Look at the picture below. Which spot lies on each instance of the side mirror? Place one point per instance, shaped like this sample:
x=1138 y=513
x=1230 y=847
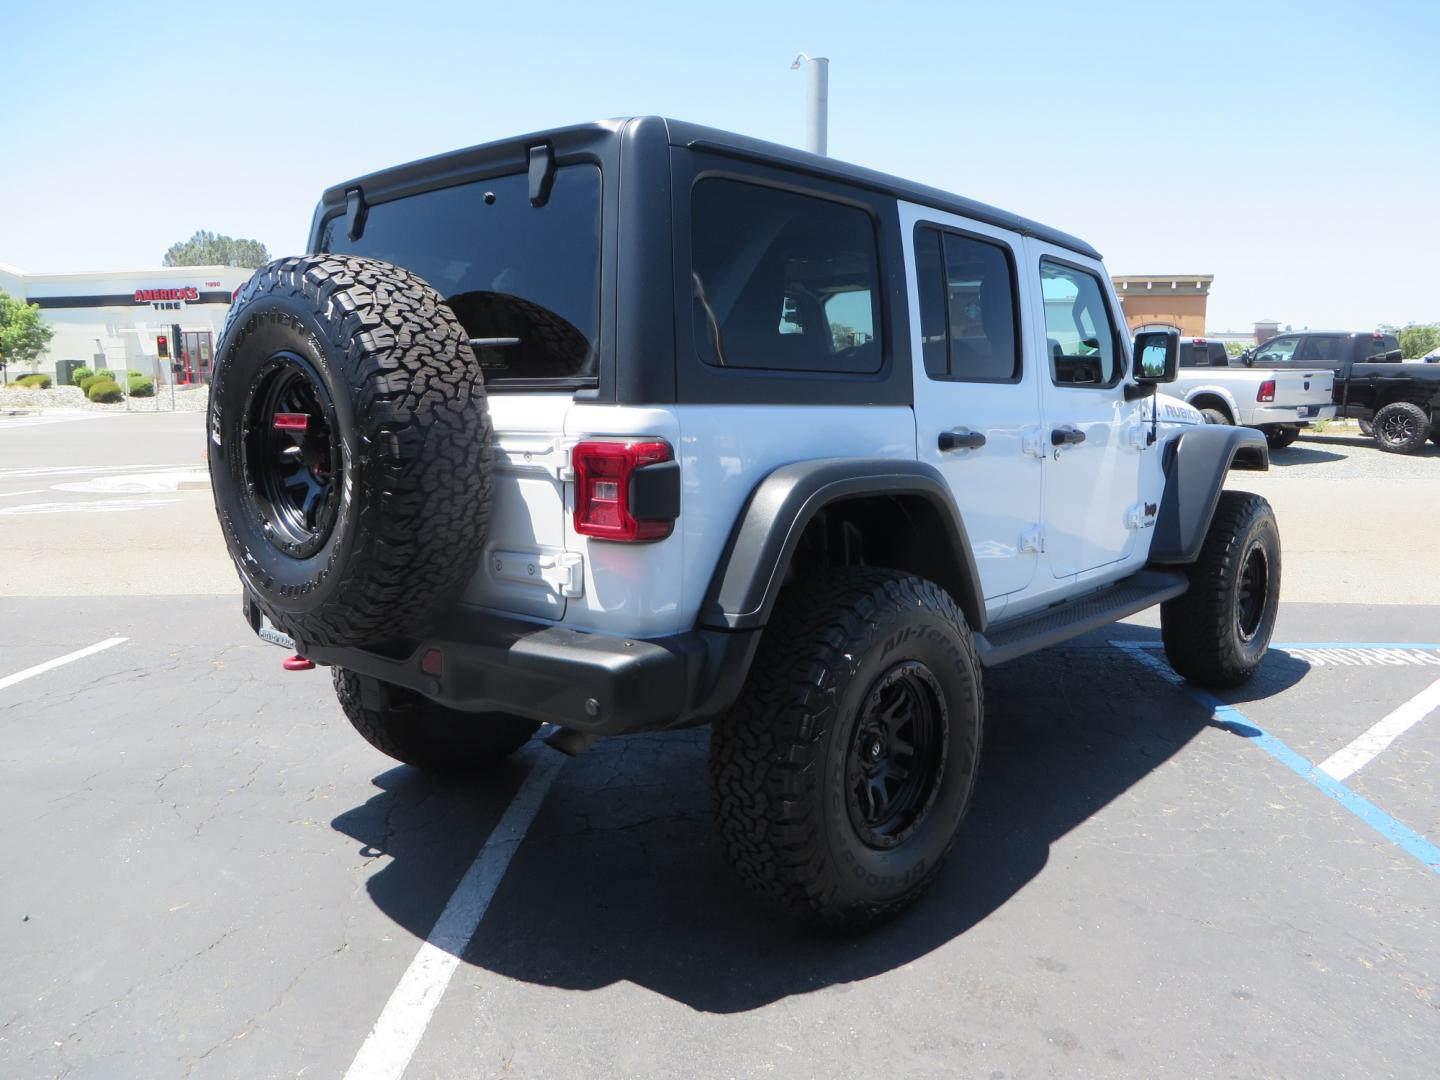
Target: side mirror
x=1157 y=356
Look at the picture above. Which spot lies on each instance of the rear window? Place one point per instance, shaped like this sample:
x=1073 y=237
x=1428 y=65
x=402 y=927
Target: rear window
x=1379 y=348
x=1202 y=354
x=783 y=281
x=524 y=280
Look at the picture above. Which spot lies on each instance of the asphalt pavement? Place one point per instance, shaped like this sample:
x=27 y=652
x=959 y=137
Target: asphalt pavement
x=208 y=874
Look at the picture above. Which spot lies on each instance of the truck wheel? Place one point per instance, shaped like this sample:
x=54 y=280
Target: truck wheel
x=1215 y=416
x=409 y=728
x=1281 y=435
x=1217 y=631
x=1365 y=427
x=349 y=448
x=841 y=776
x=1401 y=427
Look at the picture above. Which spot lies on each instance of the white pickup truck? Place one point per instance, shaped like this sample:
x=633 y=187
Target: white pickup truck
x=1278 y=402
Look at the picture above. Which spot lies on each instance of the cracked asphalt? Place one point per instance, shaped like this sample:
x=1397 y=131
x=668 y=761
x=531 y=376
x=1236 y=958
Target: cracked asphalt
x=204 y=872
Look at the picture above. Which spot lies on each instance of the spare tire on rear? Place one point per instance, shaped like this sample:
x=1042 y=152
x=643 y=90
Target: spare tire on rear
x=349 y=448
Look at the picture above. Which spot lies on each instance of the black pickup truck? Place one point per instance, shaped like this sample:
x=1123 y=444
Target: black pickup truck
x=1396 y=403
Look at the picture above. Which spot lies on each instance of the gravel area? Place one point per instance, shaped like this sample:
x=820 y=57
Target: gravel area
x=187 y=399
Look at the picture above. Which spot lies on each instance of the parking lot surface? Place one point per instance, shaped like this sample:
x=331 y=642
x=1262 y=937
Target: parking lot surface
x=208 y=874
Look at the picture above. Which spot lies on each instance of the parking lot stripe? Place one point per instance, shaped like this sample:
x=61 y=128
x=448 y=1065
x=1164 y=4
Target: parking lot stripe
x=49 y=665
x=13 y=494
x=1381 y=734
x=1234 y=721
x=391 y=1044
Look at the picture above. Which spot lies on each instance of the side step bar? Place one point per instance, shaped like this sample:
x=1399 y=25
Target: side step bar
x=1050 y=626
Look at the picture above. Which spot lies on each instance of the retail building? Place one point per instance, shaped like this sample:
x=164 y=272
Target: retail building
x=163 y=322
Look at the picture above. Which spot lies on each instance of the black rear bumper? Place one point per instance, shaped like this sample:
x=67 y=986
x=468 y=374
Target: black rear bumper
x=586 y=682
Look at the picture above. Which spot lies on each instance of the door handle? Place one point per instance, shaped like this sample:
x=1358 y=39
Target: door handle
x=961 y=439
x=1066 y=436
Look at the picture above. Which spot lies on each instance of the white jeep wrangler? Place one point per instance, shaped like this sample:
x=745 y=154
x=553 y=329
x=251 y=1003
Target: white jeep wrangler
x=639 y=425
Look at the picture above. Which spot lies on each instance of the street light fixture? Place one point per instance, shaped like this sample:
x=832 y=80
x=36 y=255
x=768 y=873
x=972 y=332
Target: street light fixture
x=817 y=101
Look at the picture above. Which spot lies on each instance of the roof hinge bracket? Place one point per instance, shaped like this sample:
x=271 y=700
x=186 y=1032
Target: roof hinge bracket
x=542 y=173
x=355 y=212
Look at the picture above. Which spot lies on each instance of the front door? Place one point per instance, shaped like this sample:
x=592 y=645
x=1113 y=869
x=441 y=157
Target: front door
x=195 y=356
x=1094 y=438
x=976 y=390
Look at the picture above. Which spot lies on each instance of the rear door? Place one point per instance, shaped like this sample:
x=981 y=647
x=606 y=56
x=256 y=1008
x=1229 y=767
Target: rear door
x=977 y=389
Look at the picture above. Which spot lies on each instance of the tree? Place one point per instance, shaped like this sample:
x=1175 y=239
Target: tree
x=1416 y=341
x=23 y=334
x=212 y=249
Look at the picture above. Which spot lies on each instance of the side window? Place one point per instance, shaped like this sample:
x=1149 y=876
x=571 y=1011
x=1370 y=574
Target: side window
x=967 y=308
x=1079 y=334
x=1322 y=350
x=1278 y=350
x=783 y=281
x=1218 y=356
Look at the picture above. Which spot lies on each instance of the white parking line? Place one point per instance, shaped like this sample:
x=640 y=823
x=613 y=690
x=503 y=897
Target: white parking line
x=48 y=665
x=13 y=494
x=391 y=1044
x=1360 y=752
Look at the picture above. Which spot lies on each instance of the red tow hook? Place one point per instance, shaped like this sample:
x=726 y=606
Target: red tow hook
x=297 y=663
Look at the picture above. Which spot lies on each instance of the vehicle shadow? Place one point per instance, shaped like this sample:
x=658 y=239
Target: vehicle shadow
x=1295 y=454
x=621 y=878
x=1429 y=450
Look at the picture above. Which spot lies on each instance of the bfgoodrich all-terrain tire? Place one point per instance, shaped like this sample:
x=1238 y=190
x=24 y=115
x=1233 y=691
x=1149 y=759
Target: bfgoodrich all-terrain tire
x=1217 y=631
x=349 y=448
x=406 y=726
x=842 y=774
x=1401 y=427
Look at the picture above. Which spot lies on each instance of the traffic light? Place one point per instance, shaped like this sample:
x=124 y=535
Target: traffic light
x=162 y=347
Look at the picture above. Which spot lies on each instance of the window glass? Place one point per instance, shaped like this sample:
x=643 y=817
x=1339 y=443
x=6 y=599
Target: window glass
x=509 y=270
x=783 y=281
x=971 y=311
x=1324 y=349
x=1278 y=350
x=1377 y=348
x=1079 y=336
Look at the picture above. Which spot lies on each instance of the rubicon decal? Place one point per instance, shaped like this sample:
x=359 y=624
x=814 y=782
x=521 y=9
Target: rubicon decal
x=149 y=296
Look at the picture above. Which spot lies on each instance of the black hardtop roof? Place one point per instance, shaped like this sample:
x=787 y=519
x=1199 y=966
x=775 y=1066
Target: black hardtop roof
x=457 y=163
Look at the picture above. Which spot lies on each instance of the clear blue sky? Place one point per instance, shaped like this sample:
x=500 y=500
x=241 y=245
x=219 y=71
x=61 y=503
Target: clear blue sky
x=1288 y=148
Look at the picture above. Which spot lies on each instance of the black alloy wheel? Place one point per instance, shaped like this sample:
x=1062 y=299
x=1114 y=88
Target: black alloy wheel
x=1254 y=589
x=1399 y=427
x=897 y=755
x=292 y=457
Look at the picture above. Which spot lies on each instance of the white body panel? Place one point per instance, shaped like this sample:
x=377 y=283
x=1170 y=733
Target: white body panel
x=1238 y=387
x=1044 y=523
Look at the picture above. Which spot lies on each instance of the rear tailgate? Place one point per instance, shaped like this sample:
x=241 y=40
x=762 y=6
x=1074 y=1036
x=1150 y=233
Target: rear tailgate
x=1307 y=391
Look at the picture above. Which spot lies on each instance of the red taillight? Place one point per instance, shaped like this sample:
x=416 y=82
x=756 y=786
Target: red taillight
x=291 y=421
x=1266 y=391
x=603 y=471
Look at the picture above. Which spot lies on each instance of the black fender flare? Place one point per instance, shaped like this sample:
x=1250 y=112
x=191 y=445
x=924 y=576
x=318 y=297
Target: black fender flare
x=1196 y=461
x=752 y=567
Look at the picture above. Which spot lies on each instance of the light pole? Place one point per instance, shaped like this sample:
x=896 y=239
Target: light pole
x=817 y=101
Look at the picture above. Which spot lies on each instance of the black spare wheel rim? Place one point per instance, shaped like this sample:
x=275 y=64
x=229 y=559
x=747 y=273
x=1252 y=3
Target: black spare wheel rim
x=1252 y=592
x=292 y=456
x=897 y=755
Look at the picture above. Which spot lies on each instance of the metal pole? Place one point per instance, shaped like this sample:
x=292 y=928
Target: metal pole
x=817 y=105
x=817 y=102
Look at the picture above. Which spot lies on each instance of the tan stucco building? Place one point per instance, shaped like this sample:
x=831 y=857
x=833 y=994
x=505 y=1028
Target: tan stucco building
x=1165 y=300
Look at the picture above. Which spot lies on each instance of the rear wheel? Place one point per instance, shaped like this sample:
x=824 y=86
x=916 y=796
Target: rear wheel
x=1281 y=436
x=415 y=730
x=1401 y=427
x=1215 y=416
x=1217 y=631
x=842 y=774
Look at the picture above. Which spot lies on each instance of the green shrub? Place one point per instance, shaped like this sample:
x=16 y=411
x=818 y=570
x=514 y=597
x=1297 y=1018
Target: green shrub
x=105 y=391
x=106 y=373
x=89 y=381
x=139 y=386
x=79 y=375
x=135 y=373
x=35 y=381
